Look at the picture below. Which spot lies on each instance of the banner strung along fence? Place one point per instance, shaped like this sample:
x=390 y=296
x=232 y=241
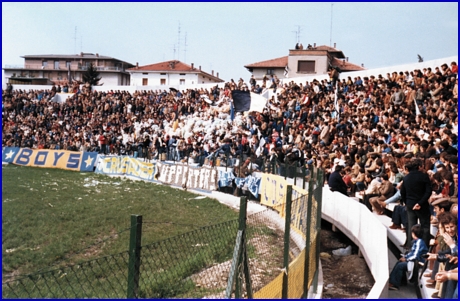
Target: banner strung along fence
x=295 y=253
x=211 y=261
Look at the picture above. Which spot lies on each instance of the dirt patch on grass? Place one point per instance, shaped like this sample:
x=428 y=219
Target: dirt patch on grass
x=343 y=276
x=265 y=249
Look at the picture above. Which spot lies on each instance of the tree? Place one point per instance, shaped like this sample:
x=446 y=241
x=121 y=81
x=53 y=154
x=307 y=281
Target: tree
x=91 y=76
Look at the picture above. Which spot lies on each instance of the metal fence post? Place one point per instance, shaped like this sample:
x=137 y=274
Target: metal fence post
x=287 y=231
x=307 y=237
x=244 y=259
x=242 y=228
x=239 y=257
x=134 y=256
x=318 y=197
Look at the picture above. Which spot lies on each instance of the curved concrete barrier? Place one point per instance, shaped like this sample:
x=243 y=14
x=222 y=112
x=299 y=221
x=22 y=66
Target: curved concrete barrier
x=365 y=230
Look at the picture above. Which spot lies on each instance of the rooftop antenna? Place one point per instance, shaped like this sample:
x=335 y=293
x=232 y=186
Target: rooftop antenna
x=174 y=51
x=185 y=47
x=81 y=43
x=297 y=34
x=75 y=41
x=178 y=43
x=330 y=38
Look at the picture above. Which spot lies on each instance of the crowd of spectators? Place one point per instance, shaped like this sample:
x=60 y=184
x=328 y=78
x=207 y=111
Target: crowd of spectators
x=368 y=132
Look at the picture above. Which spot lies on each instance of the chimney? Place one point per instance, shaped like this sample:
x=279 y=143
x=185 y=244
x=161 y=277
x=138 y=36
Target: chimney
x=347 y=58
x=314 y=45
x=192 y=66
x=97 y=54
x=199 y=68
x=212 y=72
x=81 y=54
x=334 y=45
x=217 y=74
x=362 y=65
x=137 y=65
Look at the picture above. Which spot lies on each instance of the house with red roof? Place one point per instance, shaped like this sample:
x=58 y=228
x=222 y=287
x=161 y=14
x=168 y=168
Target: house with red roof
x=171 y=73
x=314 y=60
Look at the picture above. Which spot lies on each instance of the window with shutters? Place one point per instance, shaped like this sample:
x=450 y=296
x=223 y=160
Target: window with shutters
x=306 y=67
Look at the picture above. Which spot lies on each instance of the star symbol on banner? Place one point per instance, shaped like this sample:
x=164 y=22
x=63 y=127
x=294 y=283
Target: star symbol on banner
x=88 y=161
x=9 y=155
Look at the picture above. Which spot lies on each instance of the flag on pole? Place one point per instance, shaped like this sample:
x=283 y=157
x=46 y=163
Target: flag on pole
x=336 y=101
x=247 y=101
x=232 y=112
x=286 y=71
x=417 y=110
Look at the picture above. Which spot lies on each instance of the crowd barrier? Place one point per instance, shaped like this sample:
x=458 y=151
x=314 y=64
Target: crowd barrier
x=367 y=232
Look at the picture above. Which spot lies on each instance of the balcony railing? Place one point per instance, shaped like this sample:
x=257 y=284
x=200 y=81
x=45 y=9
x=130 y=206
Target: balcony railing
x=72 y=68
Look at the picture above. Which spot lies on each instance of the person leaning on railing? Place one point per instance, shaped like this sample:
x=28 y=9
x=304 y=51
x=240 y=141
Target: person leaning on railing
x=447 y=256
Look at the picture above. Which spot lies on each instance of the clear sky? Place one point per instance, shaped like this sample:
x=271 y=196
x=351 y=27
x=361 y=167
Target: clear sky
x=226 y=36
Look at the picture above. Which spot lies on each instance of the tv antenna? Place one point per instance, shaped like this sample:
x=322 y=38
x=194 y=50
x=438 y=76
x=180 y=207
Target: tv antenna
x=174 y=51
x=178 y=43
x=185 y=47
x=330 y=38
x=75 y=41
x=297 y=34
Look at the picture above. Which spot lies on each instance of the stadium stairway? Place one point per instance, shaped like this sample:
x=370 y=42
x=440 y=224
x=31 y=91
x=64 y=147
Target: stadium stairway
x=396 y=240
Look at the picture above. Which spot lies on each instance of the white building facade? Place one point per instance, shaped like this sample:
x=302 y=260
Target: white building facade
x=171 y=73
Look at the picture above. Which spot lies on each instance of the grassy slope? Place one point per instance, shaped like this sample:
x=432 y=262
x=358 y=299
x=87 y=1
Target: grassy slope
x=51 y=215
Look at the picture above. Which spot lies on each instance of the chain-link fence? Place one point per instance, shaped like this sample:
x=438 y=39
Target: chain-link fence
x=104 y=277
x=282 y=246
x=269 y=254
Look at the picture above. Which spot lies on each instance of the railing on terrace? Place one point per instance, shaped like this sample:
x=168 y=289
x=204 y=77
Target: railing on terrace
x=62 y=68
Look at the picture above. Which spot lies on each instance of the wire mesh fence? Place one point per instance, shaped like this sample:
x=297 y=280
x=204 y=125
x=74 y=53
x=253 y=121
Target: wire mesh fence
x=192 y=265
x=266 y=262
x=105 y=277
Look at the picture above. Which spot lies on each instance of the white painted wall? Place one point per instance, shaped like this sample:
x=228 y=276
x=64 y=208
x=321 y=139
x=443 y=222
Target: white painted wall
x=320 y=64
x=171 y=79
x=365 y=230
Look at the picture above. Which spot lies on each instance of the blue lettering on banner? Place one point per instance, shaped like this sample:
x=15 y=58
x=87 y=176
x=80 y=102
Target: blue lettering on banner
x=74 y=161
x=44 y=155
x=24 y=156
x=56 y=157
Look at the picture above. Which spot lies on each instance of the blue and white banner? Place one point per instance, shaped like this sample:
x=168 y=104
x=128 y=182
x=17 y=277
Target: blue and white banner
x=63 y=159
x=225 y=177
x=252 y=183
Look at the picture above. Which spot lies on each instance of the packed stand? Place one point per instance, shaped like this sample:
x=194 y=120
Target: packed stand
x=388 y=139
